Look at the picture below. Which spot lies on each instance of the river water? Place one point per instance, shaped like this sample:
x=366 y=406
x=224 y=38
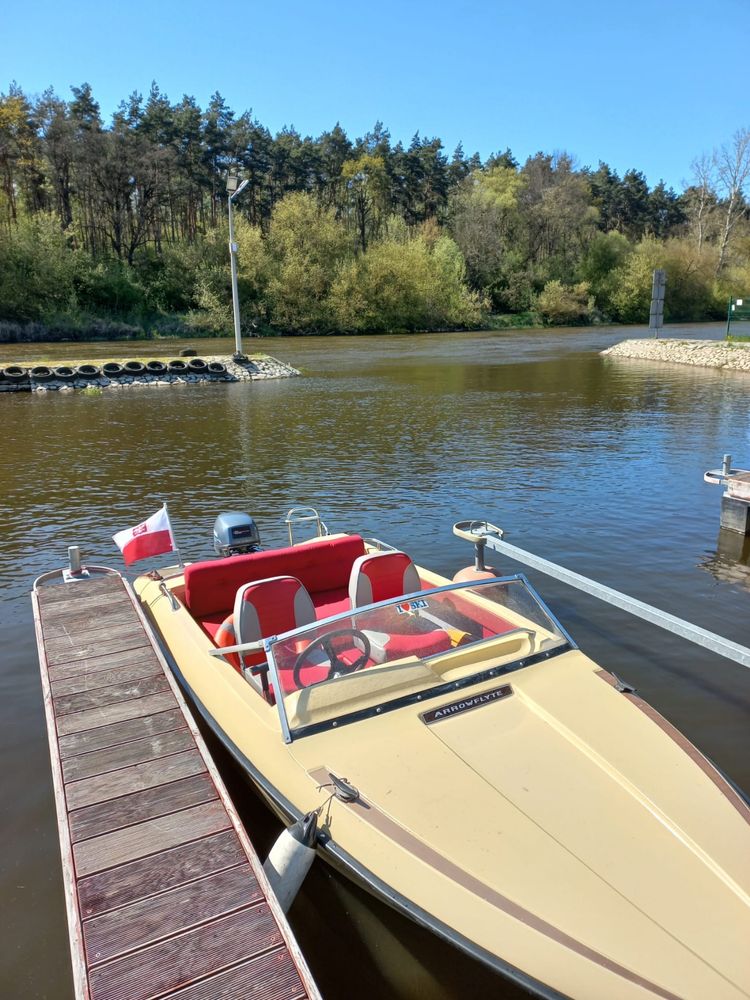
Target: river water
x=594 y=463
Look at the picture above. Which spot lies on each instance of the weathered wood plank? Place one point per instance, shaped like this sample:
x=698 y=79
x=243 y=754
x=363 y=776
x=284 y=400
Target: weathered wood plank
x=99 y=697
x=158 y=872
x=86 y=620
x=120 y=732
x=86 y=765
x=135 y=778
x=179 y=960
x=71 y=636
x=72 y=640
x=95 y=717
x=169 y=913
x=82 y=590
x=77 y=601
x=146 y=838
x=118 y=644
x=271 y=976
x=109 y=661
x=61 y=610
x=104 y=678
x=137 y=807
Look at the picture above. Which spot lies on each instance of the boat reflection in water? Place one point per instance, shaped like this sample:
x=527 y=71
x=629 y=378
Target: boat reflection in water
x=469 y=765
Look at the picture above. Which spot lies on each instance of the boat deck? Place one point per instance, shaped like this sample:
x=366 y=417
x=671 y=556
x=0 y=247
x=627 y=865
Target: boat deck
x=165 y=894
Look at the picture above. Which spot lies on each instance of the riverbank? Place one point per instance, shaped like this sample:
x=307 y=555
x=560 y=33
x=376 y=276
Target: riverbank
x=701 y=353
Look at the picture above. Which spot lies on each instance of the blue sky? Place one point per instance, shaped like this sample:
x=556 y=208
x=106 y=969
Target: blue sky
x=649 y=85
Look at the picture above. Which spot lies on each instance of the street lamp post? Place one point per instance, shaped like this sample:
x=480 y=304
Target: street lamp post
x=234 y=190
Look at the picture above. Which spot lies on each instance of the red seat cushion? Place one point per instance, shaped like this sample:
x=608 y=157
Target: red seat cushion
x=322 y=565
x=330 y=602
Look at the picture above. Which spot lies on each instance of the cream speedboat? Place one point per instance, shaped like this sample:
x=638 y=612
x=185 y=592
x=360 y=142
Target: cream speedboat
x=470 y=765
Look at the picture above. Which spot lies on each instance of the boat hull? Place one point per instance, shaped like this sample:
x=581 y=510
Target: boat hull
x=557 y=834
x=334 y=855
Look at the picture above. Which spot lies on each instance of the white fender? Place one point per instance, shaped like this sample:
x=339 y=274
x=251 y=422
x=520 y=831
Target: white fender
x=290 y=858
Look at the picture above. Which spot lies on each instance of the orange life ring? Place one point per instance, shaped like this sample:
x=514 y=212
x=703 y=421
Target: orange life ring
x=226 y=636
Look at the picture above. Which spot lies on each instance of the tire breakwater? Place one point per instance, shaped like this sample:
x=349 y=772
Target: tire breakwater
x=117 y=374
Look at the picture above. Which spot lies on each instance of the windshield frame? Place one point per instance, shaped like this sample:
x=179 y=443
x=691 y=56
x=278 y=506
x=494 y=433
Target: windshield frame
x=446 y=687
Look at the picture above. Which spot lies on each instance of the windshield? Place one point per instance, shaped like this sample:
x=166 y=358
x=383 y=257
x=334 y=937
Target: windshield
x=406 y=648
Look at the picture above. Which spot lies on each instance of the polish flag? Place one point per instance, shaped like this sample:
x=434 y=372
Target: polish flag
x=151 y=537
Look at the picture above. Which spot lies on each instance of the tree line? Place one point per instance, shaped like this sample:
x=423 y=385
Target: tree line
x=119 y=228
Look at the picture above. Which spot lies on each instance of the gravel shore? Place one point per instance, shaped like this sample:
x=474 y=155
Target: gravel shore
x=703 y=353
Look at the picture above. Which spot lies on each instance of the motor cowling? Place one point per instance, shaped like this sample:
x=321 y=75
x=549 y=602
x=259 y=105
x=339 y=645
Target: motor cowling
x=235 y=533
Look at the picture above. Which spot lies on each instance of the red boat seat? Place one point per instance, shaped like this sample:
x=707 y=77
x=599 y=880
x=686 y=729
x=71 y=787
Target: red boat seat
x=270 y=607
x=262 y=609
x=322 y=566
x=379 y=576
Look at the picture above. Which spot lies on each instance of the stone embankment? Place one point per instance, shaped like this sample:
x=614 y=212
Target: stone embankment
x=120 y=374
x=703 y=353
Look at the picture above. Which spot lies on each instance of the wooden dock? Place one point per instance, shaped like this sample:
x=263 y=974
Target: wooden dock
x=165 y=894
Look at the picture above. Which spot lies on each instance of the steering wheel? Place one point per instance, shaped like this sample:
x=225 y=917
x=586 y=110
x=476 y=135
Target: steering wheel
x=338 y=666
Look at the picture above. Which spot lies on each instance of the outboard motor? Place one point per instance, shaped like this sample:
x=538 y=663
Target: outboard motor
x=235 y=533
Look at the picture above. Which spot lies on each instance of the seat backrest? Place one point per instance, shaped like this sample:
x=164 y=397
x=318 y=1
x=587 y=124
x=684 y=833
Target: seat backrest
x=379 y=576
x=321 y=565
x=268 y=607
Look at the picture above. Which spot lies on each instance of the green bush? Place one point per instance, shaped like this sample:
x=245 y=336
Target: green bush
x=405 y=286
x=109 y=287
x=306 y=247
x=691 y=292
x=565 y=304
x=37 y=272
x=605 y=254
x=168 y=279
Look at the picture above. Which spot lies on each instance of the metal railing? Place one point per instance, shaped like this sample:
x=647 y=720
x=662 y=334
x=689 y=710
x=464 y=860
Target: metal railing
x=483 y=533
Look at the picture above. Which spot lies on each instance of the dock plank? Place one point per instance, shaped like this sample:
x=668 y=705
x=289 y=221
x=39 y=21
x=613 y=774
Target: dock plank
x=96 y=647
x=149 y=803
x=165 y=896
x=100 y=620
x=91 y=590
x=99 y=697
x=117 y=733
x=76 y=606
x=271 y=976
x=105 y=662
x=135 y=778
x=90 y=680
x=147 y=838
x=95 y=717
x=172 y=912
x=158 y=872
x=174 y=963
x=73 y=640
x=86 y=765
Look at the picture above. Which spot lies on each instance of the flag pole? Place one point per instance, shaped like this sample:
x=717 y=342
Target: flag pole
x=171 y=532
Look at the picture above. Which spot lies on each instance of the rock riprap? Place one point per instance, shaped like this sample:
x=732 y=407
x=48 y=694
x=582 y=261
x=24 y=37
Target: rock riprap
x=731 y=355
